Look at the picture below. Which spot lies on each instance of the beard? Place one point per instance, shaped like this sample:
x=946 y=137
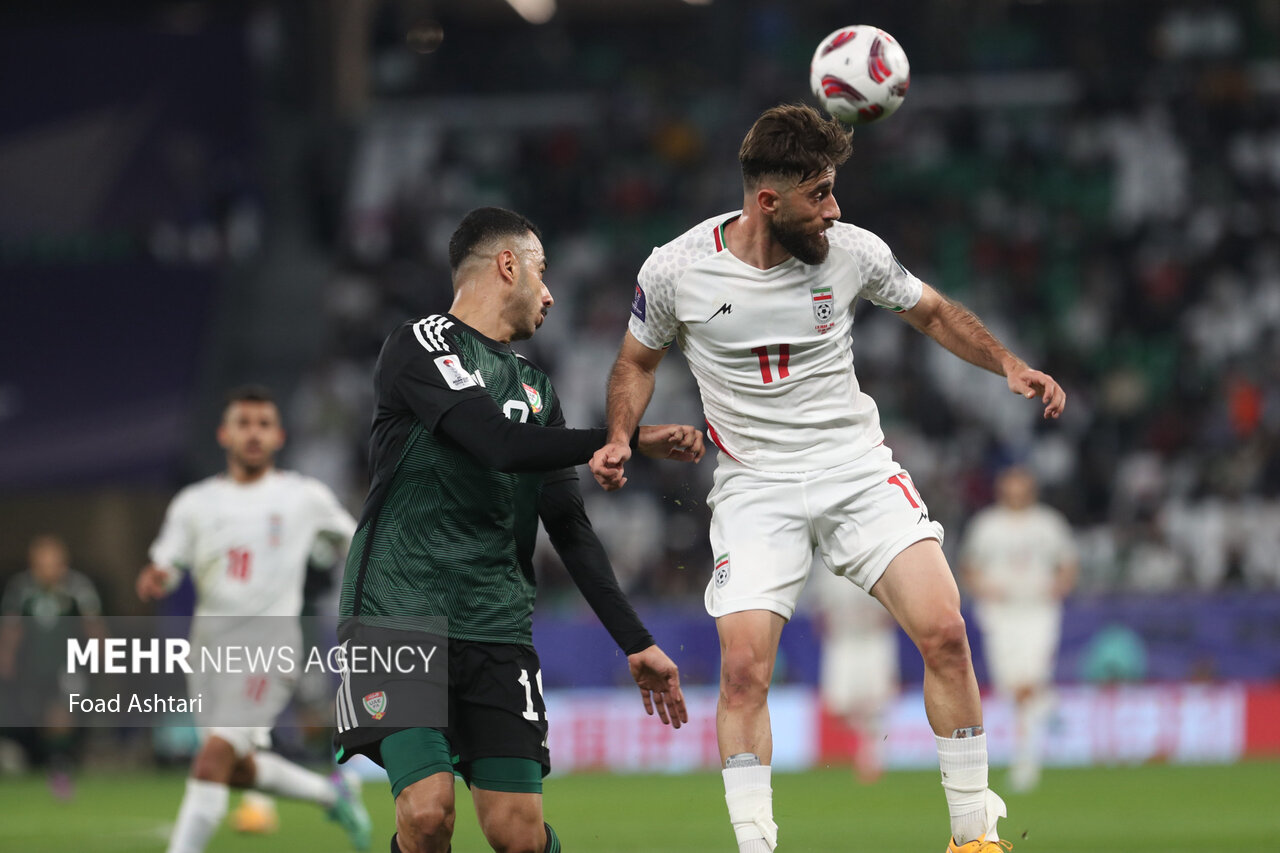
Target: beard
x=253 y=464
x=807 y=248
x=524 y=310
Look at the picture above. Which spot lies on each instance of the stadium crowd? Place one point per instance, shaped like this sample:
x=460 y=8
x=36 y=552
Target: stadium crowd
x=1125 y=236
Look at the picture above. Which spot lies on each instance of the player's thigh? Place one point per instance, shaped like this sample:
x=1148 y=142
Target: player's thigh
x=411 y=755
x=918 y=589
x=498 y=711
x=510 y=820
x=761 y=544
x=866 y=513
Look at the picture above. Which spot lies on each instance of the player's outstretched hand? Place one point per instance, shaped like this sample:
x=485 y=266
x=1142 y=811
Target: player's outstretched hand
x=1029 y=383
x=608 y=465
x=672 y=441
x=152 y=583
x=658 y=678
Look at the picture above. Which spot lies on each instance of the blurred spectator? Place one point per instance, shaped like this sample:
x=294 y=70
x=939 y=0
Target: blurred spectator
x=41 y=609
x=1150 y=562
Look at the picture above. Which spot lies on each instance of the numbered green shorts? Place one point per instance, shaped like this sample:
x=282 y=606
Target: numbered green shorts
x=496 y=738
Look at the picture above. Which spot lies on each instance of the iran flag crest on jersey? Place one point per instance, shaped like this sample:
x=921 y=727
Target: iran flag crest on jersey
x=823 y=307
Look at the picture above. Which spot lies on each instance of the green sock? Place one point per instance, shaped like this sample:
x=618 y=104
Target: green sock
x=553 y=840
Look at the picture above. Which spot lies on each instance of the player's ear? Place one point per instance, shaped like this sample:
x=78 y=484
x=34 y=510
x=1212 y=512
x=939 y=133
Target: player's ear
x=767 y=200
x=224 y=439
x=507 y=263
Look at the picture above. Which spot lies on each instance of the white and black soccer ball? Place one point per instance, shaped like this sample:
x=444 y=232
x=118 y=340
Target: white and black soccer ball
x=860 y=74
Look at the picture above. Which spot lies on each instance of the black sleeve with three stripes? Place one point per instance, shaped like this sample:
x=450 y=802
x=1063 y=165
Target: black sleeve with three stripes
x=469 y=416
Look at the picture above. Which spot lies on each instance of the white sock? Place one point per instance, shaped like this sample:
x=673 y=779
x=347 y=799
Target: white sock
x=204 y=805
x=748 y=793
x=1032 y=723
x=973 y=807
x=277 y=775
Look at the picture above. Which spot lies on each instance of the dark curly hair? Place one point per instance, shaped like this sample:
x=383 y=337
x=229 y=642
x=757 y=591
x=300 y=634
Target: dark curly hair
x=793 y=141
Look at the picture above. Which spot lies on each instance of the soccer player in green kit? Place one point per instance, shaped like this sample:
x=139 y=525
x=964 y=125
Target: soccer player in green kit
x=469 y=450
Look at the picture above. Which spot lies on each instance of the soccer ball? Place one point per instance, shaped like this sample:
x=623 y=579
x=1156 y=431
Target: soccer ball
x=256 y=814
x=860 y=74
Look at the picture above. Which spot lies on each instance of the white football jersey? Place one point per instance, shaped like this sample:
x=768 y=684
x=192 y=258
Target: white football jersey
x=1020 y=550
x=771 y=349
x=246 y=544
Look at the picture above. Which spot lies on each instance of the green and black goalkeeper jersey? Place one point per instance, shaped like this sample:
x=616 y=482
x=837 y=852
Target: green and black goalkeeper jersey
x=464 y=431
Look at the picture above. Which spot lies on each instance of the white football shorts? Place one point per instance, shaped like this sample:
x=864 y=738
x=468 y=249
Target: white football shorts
x=240 y=709
x=766 y=527
x=1019 y=642
x=859 y=672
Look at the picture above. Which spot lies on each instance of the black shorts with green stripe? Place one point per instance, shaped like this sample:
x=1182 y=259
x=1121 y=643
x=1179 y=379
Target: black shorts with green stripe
x=495 y=711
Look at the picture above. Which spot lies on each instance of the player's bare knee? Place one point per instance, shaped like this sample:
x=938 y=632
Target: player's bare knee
x=521 y=837
x=515 y=829
x=243 y=774
x=945 y=645
x=420 y=821
x=744 y=678
x=214 y=762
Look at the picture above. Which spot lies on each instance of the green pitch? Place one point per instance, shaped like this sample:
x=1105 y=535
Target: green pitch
x=1161 y=809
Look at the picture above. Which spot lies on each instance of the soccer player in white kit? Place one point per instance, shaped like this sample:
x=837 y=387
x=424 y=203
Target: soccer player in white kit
x=245 y=536
x=1018 y=560
x=761 y=301
x=858 y=673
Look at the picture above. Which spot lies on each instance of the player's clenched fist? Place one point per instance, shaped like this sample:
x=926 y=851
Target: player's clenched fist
x=671 y=441
x=680 y=442
x=607 y=465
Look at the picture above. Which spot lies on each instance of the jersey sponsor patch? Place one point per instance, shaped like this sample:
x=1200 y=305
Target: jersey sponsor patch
x=637 y=304
x=450 y=367
x=535 y=399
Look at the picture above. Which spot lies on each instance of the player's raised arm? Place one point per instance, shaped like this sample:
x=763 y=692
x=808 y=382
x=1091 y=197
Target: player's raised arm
x=174 y=546
x=428 y=380
x=631 y=383
x=960 y=331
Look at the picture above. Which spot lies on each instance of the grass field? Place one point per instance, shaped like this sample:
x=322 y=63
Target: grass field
x=1121 y=810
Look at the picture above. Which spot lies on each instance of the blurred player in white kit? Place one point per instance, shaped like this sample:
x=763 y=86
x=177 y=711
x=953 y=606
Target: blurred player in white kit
x=245 y=536
x=858 y=673
x=1018 y=560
